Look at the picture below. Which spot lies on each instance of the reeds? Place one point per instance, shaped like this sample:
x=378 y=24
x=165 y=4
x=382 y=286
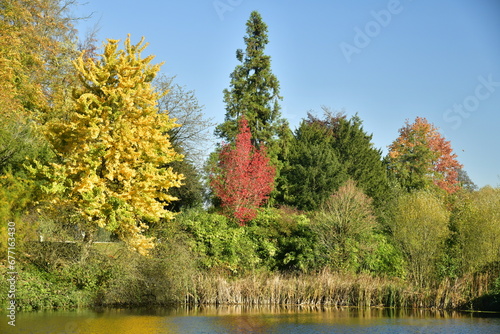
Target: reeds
x=324 y=288
x=329 y=289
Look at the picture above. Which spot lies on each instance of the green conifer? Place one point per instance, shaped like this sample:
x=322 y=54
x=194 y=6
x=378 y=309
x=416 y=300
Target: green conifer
x=254 y=92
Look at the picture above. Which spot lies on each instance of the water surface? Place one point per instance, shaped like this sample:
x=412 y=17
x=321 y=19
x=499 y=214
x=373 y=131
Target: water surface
x=239 y=319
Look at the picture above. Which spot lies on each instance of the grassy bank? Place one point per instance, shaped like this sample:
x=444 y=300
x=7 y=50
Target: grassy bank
x=121 y=286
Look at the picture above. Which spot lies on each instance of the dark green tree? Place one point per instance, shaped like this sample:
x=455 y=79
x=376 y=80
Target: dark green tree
x=191 y=193
x=254 y=92
x=324 y=154
x=361 y=161
x=312 y=171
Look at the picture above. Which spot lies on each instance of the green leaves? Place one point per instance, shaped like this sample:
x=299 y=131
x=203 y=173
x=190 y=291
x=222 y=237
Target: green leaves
x=323 y=155
x=313 y=171
x=476 y=222
x=254 y=92
x=420 y=226
x=344 y=226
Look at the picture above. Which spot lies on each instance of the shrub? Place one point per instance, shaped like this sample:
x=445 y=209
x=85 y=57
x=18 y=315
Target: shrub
x=476 y=220
x=344 y=226
x=219 y=242
x=284 y=239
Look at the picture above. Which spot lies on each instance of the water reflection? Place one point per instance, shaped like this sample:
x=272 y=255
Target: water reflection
x=244 y=319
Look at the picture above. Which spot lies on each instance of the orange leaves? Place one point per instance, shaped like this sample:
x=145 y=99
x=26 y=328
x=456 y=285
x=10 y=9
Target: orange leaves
x=420 y=155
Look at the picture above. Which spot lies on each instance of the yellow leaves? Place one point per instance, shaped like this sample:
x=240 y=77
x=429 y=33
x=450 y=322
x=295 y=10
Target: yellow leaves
x=113 y=146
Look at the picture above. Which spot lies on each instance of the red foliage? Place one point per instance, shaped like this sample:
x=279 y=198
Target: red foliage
x=446 y=164
x=245 y=177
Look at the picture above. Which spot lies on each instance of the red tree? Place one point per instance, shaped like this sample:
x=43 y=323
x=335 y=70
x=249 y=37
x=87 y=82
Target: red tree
x=245 y=178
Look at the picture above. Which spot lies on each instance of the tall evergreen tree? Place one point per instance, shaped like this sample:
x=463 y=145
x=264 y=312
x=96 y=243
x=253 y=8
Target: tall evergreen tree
x=254 y=92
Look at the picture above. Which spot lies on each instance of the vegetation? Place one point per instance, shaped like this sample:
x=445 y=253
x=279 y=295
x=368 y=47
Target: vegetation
x=323 y=154
x=254 y=91
x=113 y=180
x=244 y=177
x=420 y=226
x=106 y=212
x=420 y=156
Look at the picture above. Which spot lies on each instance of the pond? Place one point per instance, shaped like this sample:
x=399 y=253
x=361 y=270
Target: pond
x=240 y=319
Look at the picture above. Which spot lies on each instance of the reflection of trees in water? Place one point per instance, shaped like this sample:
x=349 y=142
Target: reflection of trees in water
x=246 y=319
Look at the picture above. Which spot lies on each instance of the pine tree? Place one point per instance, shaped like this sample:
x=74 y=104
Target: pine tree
x=361 y=161
x=112 y=147
x=313 y=171
x=254 y=92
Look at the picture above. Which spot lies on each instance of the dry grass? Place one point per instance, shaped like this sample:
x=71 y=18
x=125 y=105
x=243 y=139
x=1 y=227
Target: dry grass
x=330 y=289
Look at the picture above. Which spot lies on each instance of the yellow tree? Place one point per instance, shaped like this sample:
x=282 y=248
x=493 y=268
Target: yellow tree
x=37 y=44
x=477 y=222
x=113 y=147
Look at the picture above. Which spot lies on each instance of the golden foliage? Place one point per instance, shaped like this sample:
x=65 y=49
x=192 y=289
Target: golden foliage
x=36 y=46
x=112 y=147
x=477 y=220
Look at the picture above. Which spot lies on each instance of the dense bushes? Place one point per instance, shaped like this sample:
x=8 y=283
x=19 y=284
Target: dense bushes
x=476 y=224
x=275 y=239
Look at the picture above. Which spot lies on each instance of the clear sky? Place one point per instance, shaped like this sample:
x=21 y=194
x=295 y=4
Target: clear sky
x=386 y=60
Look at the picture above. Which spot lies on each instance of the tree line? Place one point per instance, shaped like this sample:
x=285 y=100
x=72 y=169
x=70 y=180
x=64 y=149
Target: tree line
x=99 y=143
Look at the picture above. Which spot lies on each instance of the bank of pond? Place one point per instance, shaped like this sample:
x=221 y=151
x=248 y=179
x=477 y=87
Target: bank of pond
x=42 y=291
x=213 y=264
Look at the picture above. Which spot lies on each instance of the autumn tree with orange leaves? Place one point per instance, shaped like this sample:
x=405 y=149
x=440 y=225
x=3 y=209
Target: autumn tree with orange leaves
x=420 y=157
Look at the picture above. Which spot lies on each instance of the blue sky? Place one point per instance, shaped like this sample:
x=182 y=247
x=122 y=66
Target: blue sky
x=387 y=61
